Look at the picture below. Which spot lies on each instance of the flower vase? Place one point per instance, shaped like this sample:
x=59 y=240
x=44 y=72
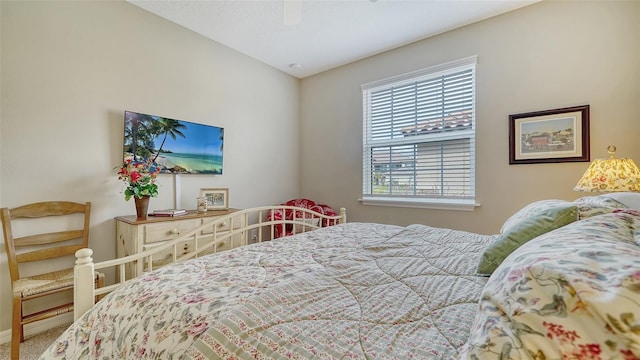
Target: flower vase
x=142 y=204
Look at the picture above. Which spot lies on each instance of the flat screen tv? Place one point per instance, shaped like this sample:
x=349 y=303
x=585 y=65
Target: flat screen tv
x=175 y=146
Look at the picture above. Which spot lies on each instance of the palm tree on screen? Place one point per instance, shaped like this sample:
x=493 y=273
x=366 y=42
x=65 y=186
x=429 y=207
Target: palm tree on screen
x=168 y=127
x=138 y=136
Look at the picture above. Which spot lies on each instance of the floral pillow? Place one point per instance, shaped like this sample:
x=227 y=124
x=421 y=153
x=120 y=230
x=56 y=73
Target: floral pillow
x=572 y=293
x=589 y=206
x=629 y=199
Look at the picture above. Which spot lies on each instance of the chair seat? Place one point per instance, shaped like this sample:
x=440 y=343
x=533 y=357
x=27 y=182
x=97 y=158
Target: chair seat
x=43 y=283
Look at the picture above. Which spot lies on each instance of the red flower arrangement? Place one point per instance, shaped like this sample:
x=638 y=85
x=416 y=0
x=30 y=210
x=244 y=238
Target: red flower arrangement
x=140 y=178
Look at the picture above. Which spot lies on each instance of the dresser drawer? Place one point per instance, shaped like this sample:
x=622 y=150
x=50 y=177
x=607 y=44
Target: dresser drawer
x=168 y=230
x=166 y=256
x=225 y=245
x=225 y=226
x=228 y=243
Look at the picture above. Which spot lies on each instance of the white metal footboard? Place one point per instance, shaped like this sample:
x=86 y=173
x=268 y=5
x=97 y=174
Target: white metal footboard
x=206 y=238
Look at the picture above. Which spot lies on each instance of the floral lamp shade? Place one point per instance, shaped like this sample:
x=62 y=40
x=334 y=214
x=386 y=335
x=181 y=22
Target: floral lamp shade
x=610 y=175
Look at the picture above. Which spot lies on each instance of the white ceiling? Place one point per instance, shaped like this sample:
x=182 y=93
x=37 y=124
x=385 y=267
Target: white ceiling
x=325 y=33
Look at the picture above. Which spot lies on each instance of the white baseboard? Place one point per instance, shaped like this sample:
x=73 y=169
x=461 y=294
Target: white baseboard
x=38 y=327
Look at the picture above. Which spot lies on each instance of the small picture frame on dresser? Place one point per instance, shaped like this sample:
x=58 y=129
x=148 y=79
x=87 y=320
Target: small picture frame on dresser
x=217 y=198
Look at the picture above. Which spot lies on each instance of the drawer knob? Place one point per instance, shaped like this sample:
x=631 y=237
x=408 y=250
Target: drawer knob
x=174 y=231
x=222 y=224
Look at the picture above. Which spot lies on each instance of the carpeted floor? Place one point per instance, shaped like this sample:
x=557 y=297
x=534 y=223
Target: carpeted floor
x=35 y=345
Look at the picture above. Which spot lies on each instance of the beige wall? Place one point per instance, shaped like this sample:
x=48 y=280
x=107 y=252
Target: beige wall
x=70 y=69
x=545 y=56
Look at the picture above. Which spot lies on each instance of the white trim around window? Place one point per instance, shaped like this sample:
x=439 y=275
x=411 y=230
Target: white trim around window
x=419 y=138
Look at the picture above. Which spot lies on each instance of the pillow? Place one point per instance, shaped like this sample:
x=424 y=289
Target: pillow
x=629 y=199
x=527 y=211
x=589 y=206
x=532 y=227
x=570 y=293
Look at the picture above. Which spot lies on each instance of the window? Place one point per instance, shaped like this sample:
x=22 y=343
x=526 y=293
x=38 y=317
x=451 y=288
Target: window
x=419 y=138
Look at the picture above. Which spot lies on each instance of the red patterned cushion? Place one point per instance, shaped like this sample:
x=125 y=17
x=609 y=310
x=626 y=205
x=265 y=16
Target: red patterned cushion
x=301 y=203
x=327 y=210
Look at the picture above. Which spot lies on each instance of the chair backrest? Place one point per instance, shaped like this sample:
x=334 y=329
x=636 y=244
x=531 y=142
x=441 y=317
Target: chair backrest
x=45 y=245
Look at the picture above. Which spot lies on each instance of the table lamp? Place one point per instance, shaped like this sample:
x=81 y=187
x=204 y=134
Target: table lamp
x=610 y=175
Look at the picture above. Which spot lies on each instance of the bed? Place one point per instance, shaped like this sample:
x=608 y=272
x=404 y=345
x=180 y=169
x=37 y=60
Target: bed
x=360 y=290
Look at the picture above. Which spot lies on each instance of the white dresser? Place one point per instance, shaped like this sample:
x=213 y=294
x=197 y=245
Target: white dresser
x=134 y=236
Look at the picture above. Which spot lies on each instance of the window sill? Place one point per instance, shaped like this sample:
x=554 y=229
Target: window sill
x=437 y=204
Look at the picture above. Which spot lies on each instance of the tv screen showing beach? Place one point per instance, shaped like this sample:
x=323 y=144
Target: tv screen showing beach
x=175 y=146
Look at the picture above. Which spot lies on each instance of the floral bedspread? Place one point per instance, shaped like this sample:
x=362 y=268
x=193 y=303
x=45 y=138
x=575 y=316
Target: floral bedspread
x=573 y=293
x=348 y=291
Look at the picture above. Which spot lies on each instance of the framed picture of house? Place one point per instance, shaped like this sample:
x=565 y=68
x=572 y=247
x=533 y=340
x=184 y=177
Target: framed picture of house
x=549 y=136
x=217 y=199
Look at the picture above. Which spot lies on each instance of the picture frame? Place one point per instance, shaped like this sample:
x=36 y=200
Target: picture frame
x=550 y=136
x=217 y=198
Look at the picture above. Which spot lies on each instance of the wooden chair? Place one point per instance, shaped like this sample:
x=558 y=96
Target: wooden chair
x=37 y=248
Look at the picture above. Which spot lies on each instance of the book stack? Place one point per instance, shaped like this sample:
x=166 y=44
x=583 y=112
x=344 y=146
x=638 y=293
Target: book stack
x=170 y=212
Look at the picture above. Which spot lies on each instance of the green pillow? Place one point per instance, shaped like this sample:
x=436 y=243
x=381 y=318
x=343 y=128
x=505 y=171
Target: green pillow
x=529 y=228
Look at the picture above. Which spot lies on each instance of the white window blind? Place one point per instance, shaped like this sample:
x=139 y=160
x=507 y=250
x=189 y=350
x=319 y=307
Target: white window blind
x=419 y=135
